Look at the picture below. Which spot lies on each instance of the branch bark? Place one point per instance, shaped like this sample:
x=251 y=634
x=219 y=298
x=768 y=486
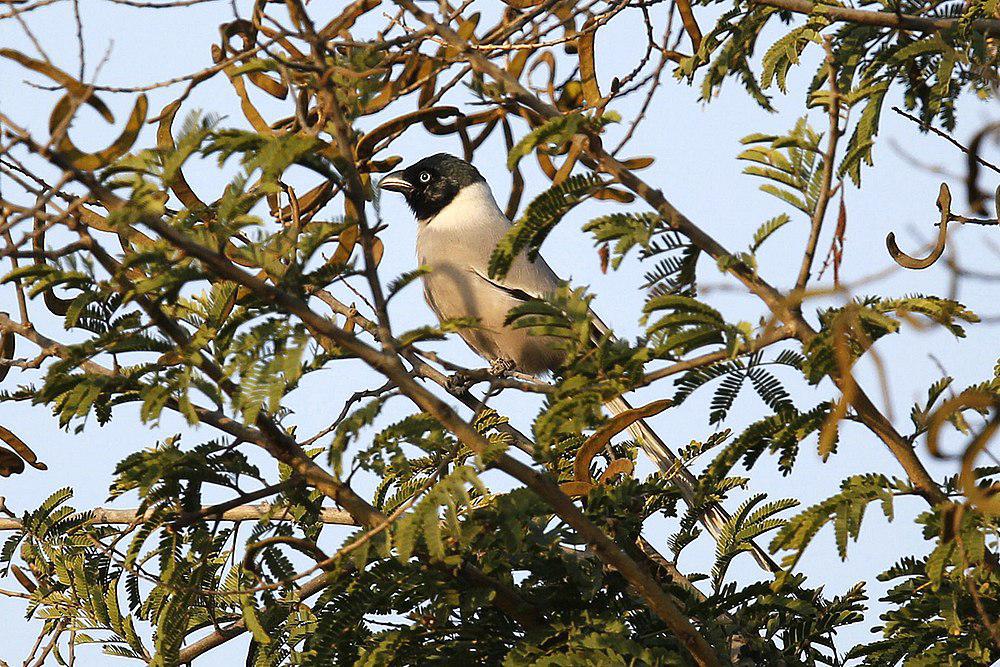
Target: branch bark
x=989 y=27
x=826 y=185
x=255 y=512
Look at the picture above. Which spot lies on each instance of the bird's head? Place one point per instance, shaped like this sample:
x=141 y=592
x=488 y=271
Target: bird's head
x=432 y=183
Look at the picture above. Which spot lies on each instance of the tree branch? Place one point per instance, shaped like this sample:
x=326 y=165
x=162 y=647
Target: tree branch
x=826 y=184
x=256 y=512
x=989 y=27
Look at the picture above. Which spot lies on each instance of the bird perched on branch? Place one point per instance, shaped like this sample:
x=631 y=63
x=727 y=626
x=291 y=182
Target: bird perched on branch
x=459 y=225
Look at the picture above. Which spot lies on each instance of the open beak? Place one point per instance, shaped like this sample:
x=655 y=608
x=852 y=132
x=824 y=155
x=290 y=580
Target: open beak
x=396 y=182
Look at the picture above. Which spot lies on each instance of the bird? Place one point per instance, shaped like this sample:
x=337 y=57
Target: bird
x=459 y=224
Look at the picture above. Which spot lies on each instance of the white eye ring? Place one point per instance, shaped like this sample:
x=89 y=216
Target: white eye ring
x=425 y=177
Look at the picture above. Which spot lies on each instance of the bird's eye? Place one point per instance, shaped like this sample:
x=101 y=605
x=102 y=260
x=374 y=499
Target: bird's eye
x=425 y=177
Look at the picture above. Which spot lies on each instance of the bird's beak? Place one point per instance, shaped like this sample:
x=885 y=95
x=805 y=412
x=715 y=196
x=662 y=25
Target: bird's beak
x=396 y=182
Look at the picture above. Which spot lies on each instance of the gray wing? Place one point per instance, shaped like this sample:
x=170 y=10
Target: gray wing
x=534 y=278
x=429 y=298
x=511 y=291
x=528 y=280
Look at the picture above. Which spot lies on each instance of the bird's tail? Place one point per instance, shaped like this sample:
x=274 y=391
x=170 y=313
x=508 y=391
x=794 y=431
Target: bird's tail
x=714 y=517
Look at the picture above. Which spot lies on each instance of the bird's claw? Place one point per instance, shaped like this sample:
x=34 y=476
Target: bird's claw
x=463 y=380
x=502 y=366
x=460 y=381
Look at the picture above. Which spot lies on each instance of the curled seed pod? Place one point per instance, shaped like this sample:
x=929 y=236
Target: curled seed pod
x=21 y=449
x=6 y=352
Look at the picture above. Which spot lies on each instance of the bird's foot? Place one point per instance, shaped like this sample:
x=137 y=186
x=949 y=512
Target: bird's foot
x=463 y=380
x=460 y=381
x=501 y=366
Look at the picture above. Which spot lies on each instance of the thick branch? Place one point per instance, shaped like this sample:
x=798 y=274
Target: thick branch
x=104 y=516
x=881 y=19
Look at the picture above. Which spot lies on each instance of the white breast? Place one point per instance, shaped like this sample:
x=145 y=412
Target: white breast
x=455 y=245
x=465 y=231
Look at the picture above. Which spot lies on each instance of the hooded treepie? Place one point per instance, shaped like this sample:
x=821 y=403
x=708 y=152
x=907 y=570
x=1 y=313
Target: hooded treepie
x=459 y=225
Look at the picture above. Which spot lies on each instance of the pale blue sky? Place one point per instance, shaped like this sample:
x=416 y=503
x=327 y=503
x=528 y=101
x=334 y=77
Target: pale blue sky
x=695 y=144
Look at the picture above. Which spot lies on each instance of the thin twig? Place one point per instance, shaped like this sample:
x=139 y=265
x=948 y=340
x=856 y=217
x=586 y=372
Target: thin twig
x=829 y=168
x=948 y=138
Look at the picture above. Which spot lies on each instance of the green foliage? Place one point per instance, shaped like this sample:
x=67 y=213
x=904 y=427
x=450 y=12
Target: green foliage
x=689 y=325
x=446 y=564
x=751 y=520
x=845 y=511
x=793 y=165
x=780 y=433
x=674 y=273
x=72 y=579
x=267 y=360
x=736 y=373
x=862 y=141
x=766 y=230
x=937 y=601
x=847 y=333
x=554 y=133
x=169 y=477
x=403 y=280
x=930 y=69
x=271 y=155
x=786 y=51
x=591 y=640
x=449 y=493
x=627 y=230
x=541 y=215
x=595 y=366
